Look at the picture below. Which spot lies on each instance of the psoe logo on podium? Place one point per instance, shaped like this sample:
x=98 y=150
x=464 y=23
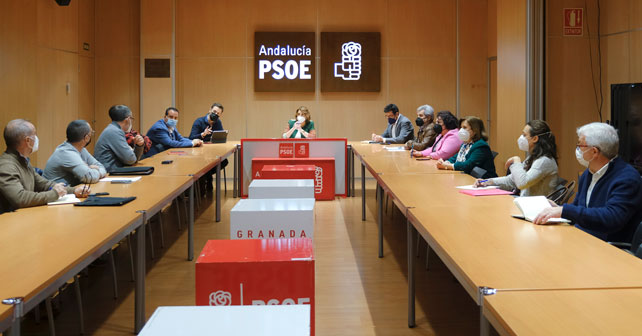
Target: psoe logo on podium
x=286 y=150
x=302 y=150
x=350 y=62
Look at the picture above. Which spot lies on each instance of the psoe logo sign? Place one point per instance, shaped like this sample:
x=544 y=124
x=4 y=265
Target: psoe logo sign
x=350 y=62
x=350 y=66
x=284 y=61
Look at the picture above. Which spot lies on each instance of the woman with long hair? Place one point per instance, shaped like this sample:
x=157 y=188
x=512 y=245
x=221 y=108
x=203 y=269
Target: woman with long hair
x=537 y=175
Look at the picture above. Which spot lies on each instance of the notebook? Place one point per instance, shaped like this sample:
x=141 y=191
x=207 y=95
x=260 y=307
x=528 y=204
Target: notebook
x=137 y=170
x=67 y=199
x=472 y=187
x=531 y=206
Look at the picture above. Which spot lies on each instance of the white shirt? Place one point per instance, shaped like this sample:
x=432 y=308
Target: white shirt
x=392 y=131
x=596 y=177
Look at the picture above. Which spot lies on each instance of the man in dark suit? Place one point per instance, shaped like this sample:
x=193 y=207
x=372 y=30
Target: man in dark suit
x=202 y=129
x=204 y=126
x=399 y=129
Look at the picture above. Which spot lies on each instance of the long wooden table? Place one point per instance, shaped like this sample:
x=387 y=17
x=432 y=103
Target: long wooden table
x=196 y=162
x=45 y=246
x=33 y=272
x=566 y=312
x=486 y=249
x=379 y=161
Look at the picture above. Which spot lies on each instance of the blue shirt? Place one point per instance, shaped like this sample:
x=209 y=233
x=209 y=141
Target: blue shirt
x=163 y=139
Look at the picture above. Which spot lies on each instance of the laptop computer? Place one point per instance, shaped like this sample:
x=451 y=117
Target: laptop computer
x=219 y=136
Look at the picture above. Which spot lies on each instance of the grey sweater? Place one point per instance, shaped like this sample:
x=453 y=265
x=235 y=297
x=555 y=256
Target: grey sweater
x=112 y=149
x=70 y=166
x=540 y=180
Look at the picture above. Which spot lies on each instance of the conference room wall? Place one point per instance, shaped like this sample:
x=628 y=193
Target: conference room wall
x=117 y=64
x=571 y=99
x=214 y=62
x=43 y=67
x=511 y=78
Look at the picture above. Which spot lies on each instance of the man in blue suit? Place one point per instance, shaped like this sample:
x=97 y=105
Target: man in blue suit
x=609 y=193
x=164 y=134
x=399 y=129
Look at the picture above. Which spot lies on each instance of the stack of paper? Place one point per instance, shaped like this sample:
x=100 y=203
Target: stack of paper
x=120 y=179
x=395 y=149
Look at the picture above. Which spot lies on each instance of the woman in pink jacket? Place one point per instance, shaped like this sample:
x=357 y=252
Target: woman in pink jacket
x=447 y=142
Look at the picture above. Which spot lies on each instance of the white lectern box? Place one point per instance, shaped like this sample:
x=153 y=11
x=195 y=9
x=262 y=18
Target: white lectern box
x=272 y=218
x=281 y=189
x=276 y=320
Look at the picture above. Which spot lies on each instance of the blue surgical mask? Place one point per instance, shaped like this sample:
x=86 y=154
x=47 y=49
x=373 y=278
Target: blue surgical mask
x=172 y=123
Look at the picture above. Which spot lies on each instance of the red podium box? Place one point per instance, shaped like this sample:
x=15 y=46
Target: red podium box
x=286 y=172
x=256 y=272
x=323 y=172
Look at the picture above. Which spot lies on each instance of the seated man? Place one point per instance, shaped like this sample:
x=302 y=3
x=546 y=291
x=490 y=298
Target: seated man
x=202 y=129
x=20 y=186
x=111 y=148
x=164 y=134
x=204 y=126
x=609 y=194
x=399 y=130
x=71 y=163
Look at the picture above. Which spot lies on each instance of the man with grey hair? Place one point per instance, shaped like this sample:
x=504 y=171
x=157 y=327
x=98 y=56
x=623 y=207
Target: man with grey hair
x=112 y=149
x=71 y=163
x=426 y=134
x=20 y=185
x=609 y=195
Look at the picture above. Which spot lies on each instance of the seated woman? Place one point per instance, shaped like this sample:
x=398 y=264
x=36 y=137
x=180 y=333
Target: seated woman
x=537 y=175
x=301 y=126
x=474 y=152
x=447 y=142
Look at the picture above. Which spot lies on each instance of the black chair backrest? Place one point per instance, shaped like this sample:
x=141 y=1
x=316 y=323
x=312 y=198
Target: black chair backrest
x=638 y=253
x=478 y=172
x=557 y=195
x=636 y=242
x=570 y=191
x=494 y=154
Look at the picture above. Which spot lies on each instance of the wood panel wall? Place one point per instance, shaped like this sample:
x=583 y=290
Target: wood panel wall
x=511 y=78
x=214 y=62
x=117 y=65
x=572 y=100
x=46 y=75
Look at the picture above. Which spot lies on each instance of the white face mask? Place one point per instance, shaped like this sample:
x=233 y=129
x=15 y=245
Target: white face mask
x=579 y=155
x=522 y=143
x=463 y=134
x=35 y=145
x=300 y=119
